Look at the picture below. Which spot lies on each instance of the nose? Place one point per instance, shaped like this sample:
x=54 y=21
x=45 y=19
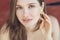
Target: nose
x=26 y=13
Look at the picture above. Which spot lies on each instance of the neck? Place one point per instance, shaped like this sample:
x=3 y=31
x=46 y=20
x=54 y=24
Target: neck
x=30 y=28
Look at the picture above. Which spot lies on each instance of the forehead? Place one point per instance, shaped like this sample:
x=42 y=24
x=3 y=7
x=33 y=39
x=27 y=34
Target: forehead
x=27 y=1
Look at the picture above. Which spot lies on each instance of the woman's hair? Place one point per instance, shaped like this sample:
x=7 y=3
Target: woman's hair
x=16 y=30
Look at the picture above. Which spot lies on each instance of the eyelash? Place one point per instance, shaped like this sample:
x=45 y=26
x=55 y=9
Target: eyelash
x=19 y=8
x=31 y=6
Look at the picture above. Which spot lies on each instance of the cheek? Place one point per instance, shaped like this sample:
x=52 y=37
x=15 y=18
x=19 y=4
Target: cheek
x=35 y=12
x=19 y=15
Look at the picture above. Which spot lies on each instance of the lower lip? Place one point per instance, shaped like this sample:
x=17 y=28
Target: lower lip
x=26 y=21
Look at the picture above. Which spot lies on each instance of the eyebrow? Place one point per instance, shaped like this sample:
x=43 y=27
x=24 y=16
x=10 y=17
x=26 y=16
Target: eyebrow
x=28 y=4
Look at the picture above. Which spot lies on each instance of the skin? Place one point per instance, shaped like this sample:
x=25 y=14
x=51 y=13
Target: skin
x=28 y=12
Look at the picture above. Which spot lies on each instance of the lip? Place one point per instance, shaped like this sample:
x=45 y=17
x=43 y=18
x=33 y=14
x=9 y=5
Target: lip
x=26 y=20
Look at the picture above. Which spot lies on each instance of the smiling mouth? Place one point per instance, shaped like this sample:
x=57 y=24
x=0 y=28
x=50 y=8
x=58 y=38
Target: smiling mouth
x=26 y=20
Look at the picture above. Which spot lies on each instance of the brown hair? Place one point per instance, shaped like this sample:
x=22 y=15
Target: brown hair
x=17 y=30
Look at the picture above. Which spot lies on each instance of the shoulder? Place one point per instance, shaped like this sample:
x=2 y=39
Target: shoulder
x=54 y=22
x=4 y=28
x=55 y=27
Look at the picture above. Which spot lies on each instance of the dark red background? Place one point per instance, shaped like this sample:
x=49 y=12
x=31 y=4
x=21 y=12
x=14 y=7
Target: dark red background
x=4 y=11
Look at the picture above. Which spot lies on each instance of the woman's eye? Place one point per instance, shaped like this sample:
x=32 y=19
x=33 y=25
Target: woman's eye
x=19 y=8
x=31 y=6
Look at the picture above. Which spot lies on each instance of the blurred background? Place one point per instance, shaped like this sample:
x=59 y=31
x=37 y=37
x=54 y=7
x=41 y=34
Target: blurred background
x=52 y=8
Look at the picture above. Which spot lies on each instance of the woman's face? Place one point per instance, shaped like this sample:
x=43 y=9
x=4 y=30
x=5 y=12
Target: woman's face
x=28 y=11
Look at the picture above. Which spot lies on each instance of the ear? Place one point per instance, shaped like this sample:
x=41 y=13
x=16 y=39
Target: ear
x=42 y=8
x=42 y=12
x=43 y=5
